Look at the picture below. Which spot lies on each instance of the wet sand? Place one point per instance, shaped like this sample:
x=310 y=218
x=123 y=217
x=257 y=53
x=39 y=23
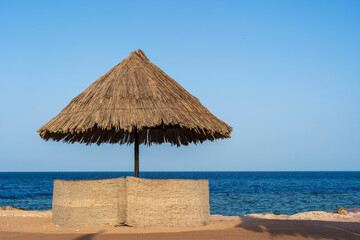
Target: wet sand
x=29 y=225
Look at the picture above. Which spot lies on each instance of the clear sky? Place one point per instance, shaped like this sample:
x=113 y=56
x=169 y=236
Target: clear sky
x=284 y=74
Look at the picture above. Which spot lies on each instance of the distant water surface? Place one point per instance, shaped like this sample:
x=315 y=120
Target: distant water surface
x=231 y=193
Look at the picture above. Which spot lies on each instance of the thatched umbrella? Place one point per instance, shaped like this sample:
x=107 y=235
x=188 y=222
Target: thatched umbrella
x=135 y=102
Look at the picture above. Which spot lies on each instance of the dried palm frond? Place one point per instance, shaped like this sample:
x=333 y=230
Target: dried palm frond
x=135 y=96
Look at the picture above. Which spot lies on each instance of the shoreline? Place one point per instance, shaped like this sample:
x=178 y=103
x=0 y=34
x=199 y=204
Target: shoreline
x=33 y=225
x=14 y=220
x=353 y=215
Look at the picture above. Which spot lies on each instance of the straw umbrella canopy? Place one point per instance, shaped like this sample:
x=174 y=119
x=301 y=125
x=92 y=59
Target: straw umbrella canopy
x=135 y=102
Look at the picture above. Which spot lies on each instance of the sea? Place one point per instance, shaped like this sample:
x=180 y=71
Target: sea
x=231 y=193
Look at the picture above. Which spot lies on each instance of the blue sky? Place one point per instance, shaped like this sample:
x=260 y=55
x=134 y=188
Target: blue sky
x=284 y=74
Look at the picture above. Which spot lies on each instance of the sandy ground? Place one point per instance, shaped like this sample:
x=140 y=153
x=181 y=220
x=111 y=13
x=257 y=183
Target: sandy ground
x=21 y=224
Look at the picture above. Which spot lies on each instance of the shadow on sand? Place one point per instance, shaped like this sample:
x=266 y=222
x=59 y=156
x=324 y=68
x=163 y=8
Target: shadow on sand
x=89 y=236
x=312 y=229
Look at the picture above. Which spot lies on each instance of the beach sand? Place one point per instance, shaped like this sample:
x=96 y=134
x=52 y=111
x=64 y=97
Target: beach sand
x=22 y=224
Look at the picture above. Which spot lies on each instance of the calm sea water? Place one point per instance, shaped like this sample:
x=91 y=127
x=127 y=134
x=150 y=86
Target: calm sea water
x=231 y=193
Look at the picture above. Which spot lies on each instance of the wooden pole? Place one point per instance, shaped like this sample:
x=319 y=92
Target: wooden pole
x=136 y=159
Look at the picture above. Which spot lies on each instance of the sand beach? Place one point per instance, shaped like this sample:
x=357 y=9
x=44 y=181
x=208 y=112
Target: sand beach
x=18 y=224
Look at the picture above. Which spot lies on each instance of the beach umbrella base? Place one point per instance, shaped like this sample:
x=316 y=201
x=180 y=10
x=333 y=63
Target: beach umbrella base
x=132 y=201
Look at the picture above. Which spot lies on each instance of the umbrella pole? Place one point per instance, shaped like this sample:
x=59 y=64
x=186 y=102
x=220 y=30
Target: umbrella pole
x=136 y=159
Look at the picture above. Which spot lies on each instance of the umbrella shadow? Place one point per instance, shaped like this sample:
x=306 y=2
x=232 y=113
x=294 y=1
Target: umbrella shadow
x=89 y=236
x=313 y=229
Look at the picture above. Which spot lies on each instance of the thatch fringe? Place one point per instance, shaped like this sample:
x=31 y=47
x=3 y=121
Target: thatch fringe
x=135 y=95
